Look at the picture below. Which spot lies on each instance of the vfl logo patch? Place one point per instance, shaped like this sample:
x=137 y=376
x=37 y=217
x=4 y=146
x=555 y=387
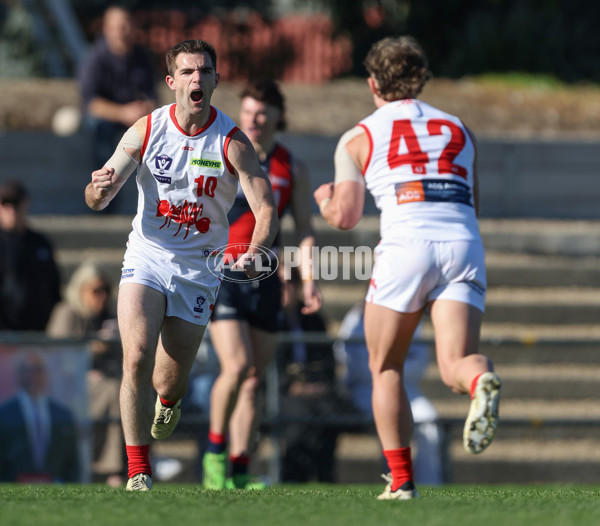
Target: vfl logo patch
x=206 y=163
x=199 y=307
x=163 y=164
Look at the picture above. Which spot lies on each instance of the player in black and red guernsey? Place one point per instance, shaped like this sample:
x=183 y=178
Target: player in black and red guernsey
x=247 y=316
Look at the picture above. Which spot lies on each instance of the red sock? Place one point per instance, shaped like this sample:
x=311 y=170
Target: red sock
x=239 y=464
x=474 y=385
x=167 y=403
x=138 y=460
x=217 y=442
x=400 y=465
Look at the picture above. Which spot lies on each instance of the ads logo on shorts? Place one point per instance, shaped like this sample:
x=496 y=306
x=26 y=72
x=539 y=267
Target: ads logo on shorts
x=163 y=164
x=223 y=258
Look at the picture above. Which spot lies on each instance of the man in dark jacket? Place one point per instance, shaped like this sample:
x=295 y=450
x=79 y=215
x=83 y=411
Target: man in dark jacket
x=29 y=276
x=38 y=435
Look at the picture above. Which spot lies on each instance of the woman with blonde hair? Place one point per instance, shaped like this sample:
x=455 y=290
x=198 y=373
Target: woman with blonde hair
x=87 y=312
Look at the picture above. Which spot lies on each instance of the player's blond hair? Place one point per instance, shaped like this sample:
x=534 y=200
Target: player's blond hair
x=399 y=67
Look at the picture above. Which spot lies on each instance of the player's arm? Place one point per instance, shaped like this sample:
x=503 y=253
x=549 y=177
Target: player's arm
x=127 y=156
x=259 y=194
x=301 y=212
x=341 y=203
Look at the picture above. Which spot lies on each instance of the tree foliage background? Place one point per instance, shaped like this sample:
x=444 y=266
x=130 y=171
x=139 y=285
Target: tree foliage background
x=465 y=37
x=559 y=38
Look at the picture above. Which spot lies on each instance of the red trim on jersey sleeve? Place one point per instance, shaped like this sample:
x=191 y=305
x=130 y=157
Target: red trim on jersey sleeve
x=226 y=147
x=211 y=119
x=364 y=171
x=147 y=136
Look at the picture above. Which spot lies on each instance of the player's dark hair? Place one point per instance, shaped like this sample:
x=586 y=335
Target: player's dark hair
x=267 y=91
x=191 y=47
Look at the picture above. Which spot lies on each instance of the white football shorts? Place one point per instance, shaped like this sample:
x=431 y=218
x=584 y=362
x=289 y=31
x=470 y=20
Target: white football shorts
x=191 y=294
x=409 y=273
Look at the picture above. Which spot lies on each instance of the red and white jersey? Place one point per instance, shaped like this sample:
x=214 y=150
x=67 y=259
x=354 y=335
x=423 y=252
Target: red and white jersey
x=186 y=186
x=420 y=172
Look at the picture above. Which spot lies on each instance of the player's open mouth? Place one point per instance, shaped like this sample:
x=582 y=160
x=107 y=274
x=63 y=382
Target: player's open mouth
x=197 y=95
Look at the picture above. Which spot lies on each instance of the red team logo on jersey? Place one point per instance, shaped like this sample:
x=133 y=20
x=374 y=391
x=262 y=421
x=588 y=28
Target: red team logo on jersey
x=185 y=214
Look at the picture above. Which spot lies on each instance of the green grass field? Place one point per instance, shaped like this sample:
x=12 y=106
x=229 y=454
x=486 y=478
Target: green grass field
x=329 y=505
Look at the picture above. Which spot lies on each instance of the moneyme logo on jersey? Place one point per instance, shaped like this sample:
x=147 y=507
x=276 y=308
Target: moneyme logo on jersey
x=220 y=259
x=162 y=163
x=206 y=163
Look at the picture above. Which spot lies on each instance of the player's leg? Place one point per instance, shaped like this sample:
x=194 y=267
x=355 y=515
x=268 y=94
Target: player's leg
x=245 y=417
x=464 y=370
x=177 y=347
x=231 y=341
x=140 y=311
x=388 y=335
x=457 y=326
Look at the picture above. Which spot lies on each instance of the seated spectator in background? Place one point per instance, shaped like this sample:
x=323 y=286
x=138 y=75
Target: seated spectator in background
x=309 y=389
x=29 y=276
x=428 y=465
x=116 y=82
x=88 y=312
x=38 y=436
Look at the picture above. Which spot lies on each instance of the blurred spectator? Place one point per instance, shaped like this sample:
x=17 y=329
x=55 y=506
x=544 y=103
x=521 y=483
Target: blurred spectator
x=309 y=390
x=38 y=436
x=353 y=354
x=29 y=276
x=117 y=83
x=87 y=312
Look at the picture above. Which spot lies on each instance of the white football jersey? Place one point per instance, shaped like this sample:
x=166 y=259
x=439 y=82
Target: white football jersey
x=420 y=172
x=186 y=186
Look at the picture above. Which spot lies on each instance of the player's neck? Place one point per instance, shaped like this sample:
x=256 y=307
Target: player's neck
x=191 y=123
x=264 y=148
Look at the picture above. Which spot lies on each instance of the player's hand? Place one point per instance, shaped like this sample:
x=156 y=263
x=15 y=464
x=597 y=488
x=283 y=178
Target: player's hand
x=248 y=263
x=312 y=297
x=325 y=191
x=102 y=182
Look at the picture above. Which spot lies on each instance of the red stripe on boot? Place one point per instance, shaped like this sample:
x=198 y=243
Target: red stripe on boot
x=474 y=385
